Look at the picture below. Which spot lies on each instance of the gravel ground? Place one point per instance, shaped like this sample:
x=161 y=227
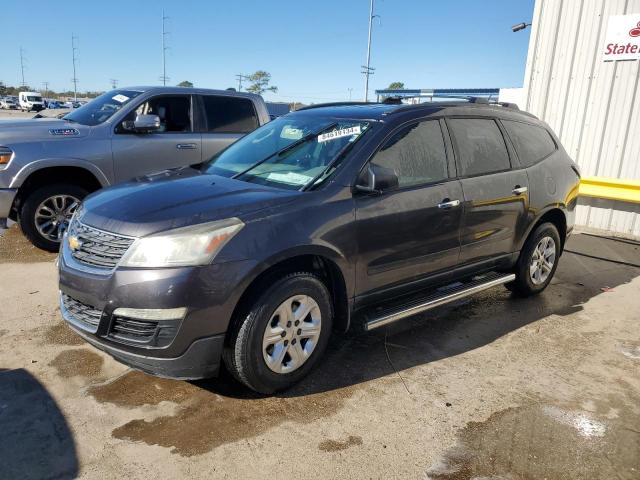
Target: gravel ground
x=495 y=387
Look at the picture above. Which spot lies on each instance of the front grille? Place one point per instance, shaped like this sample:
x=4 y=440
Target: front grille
x=96 y=248
x=81 y=314
x=150 y=332
x=133 y=330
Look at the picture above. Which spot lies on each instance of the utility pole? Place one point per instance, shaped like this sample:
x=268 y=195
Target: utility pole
x=46 y=88
x=350 y=90
x=164 y=77
x=74 y=49
x=240 y=77
x=367 y=70
x=24 y=84
x=114 y=83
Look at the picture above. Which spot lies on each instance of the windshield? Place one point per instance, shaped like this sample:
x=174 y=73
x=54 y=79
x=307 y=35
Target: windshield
x=289 y=152
x=101 y=108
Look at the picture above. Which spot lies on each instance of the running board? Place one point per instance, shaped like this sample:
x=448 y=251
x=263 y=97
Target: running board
x=441 y=297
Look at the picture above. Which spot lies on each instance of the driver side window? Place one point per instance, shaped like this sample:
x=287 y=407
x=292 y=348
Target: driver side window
x=416 y=153
x=174 y=112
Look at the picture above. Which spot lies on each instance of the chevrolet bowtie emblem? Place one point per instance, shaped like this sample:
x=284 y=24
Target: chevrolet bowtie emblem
x=74 y=243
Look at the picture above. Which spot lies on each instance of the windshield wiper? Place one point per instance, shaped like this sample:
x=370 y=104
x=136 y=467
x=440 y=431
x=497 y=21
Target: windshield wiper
x=286 y=149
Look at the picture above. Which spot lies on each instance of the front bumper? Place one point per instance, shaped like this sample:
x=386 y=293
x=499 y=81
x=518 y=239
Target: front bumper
x=201 y=360
x=194 y=346
x=7 y=195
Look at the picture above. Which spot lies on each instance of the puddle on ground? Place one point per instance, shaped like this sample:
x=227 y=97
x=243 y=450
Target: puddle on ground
x=336 y=446
x=61 y=334
x=14 y=247
x=81 y=362
x=631 y=350
x=217 y=418
x=545 y=442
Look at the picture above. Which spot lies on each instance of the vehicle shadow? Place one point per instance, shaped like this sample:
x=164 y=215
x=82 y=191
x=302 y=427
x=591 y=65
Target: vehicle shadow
x=590 y=267
x=35 y=440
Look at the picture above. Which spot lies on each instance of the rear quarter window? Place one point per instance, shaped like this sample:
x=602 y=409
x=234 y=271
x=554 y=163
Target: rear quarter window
x=532 y=143
x=229 y=114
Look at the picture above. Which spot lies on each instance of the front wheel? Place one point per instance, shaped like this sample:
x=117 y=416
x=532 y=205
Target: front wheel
x=538 y=261
x=283 y=333
x=46 y=212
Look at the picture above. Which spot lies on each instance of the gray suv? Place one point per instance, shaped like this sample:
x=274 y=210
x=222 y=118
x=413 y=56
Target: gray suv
x=327 y=217
x=48 y=165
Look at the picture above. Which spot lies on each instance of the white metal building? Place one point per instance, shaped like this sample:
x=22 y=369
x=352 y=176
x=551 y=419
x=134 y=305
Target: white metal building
x=591 y=101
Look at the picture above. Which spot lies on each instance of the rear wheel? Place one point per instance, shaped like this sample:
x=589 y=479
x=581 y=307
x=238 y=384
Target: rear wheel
x=46 y=212
x=538 y=261
x=282 y=334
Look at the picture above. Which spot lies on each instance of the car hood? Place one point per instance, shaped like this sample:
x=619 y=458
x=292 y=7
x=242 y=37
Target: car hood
x=39 y=129
x=176 y=198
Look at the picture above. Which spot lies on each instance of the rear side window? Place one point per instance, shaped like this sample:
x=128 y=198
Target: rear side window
x=532 y=143
x=416 y=153
x=229 y=114
x=480 y=146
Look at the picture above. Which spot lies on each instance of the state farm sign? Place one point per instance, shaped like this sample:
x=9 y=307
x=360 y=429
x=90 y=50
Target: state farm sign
x=622 y=41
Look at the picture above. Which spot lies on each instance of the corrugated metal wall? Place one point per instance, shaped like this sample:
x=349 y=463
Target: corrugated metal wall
x=593 y=106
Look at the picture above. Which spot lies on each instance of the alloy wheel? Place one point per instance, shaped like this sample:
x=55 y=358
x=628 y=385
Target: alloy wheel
x=292 y=334
x=542 y=260
x=53 y=215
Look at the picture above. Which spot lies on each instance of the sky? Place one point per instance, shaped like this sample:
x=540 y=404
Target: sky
x=313 y=49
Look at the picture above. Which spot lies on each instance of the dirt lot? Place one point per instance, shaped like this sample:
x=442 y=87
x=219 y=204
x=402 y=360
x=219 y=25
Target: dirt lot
x=497 y=387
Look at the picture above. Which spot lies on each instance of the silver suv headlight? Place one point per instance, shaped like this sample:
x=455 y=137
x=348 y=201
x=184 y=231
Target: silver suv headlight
x=182 y=247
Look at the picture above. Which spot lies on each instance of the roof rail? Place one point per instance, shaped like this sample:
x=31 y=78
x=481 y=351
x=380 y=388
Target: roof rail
x=334 y=104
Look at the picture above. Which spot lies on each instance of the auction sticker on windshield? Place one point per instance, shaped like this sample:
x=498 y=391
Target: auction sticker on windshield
x=120 y=98
x=343 y=132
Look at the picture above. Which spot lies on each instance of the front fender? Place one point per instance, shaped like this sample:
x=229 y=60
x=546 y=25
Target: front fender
x=22 y=174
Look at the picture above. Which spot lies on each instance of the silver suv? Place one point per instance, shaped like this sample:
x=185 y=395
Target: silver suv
x=48 y=165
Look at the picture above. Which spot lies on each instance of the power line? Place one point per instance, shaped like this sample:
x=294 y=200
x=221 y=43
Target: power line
x=24 y=84
x=367 y=69
x=240 y=77
x=74 y=49
x=164 y=77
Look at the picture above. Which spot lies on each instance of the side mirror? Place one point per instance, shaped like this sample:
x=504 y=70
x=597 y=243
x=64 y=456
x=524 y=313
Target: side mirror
x=376 y=179
x=143 y=124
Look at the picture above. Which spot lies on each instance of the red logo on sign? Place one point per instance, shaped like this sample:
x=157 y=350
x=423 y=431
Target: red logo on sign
x=635 y=32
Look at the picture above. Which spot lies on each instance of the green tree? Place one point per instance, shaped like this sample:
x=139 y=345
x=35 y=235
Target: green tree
x=185 y=83
x=396 y=86
x=260 y=83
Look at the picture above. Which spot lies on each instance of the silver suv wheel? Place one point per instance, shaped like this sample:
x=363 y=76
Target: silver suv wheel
x=291 y=334
x=542 y=260
x=53 y=214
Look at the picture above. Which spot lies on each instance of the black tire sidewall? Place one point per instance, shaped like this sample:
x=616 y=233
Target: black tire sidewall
x=31 y=203
x=260 y=376
x=523 y=284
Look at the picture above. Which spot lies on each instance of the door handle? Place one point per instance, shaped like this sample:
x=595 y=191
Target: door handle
x=518 y=190
x=446 y=203
x=186 y=146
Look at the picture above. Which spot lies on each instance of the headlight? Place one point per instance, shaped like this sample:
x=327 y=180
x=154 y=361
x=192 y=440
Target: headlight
x=181 y=247
x=5 y=156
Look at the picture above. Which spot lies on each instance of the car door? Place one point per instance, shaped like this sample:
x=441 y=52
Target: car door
x=496 y=197
x=176 y=144
x=226 y=118
x=410 y=232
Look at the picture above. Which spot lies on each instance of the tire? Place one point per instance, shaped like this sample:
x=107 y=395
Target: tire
x=529 y=279
x=245 y=355
x=29 y=210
